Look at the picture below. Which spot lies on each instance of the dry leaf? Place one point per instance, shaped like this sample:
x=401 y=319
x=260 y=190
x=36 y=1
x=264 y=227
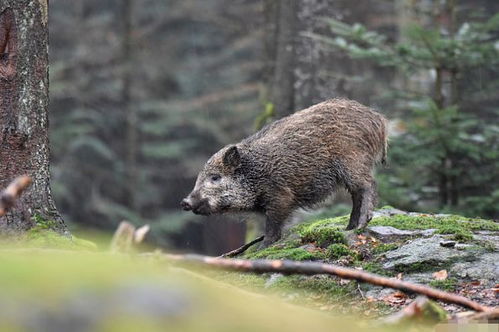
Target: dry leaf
x=399 y=276
x=440 y=275
x=396 y=298
x=399 y=294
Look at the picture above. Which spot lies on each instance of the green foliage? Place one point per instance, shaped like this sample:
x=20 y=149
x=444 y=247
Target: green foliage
x=264 y=117
x=443 y=139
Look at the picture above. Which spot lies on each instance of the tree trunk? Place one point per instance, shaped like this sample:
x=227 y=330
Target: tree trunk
x=283 y=36
x=24 y=97
x=130 y=113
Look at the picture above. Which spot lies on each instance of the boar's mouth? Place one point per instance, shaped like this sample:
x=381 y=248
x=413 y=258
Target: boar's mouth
x=203 y=208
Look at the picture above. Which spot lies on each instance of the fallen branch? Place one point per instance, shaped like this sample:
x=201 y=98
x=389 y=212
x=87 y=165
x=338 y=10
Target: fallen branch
x=242 y=249
x=470 y=317
x=9 y=196
x=312 y=268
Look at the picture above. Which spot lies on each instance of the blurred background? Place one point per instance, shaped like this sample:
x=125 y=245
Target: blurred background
x=143 y=92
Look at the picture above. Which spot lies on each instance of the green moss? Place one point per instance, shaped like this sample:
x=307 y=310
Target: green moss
x=42 y=223
x=297 y=254
x=41 y=237
x=323 y=286
x=245 y=280
x=374 y=267
x=384 y=247
x=463 y=236
x=449 y=285
x=337 y=250
x=433 y=313
x=449 y=224
x=323 y=232
x=425 y=266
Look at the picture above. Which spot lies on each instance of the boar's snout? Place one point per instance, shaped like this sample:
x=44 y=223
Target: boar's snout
x=186 y=204
x=195 y=204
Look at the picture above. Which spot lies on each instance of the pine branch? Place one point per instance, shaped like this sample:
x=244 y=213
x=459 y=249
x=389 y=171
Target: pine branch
x=9 y=196
x=313 y=268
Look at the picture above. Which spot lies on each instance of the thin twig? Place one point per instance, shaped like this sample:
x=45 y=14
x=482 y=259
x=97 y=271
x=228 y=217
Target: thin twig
x=9 y=196
x=242 y=249
x=312 y=268
x=360 y=291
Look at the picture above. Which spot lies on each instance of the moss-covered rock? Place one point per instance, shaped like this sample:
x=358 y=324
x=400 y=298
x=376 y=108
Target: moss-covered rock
x=322 y=232
x=412 y=252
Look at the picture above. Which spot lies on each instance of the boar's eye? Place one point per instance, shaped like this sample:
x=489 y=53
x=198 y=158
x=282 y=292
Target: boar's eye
x=215 y=177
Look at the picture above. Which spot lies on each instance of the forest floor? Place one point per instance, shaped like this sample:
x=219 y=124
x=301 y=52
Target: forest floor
x=450 y=252
x=79 y=288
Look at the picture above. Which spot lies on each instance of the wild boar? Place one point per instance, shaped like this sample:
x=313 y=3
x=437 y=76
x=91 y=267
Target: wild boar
x=297 y=162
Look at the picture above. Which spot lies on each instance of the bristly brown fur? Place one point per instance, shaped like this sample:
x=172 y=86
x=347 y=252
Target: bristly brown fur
x=299 y=161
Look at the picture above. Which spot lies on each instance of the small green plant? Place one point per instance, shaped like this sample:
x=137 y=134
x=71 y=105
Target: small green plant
x=384 y=247
x=449 y=284
x=338 y=250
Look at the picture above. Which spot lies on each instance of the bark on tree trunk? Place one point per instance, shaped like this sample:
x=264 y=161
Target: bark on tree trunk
x=24 y=100
x=283 y=36
x=130 y=112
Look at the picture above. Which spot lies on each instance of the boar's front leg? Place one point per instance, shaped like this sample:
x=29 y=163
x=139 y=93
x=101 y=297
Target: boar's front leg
x=363 y=202
x=273 y=229
x=276 y=214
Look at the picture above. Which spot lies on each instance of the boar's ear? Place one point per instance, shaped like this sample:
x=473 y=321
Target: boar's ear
x=231 y=157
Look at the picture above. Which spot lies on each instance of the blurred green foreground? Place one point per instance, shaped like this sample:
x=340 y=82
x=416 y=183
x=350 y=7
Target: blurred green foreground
x=50 y=290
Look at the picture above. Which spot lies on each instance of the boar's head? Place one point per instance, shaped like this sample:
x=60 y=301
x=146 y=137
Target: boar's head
x=221 y=186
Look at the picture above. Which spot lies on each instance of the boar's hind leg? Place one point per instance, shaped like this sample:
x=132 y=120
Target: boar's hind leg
x=363 y=202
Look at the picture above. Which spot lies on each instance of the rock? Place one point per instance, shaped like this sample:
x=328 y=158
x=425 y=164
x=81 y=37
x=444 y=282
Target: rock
x=387 y=212
x=492 y=238
x=486 y=268
x=427 y=232
x=448 y=244
x=422 y=251
x=462 y=246
x=308 y=247
x=389 y=233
